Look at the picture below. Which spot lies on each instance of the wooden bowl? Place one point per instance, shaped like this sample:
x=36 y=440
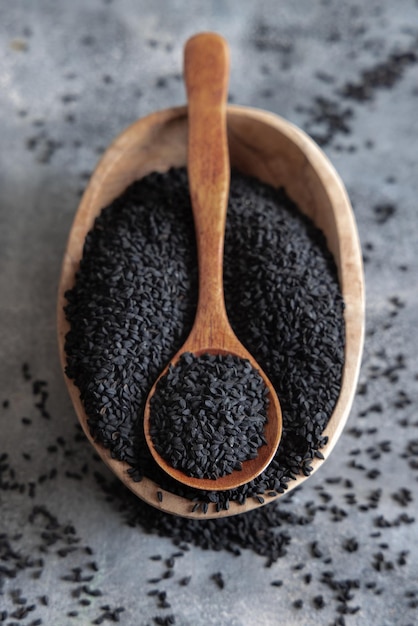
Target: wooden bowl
x=265 y=146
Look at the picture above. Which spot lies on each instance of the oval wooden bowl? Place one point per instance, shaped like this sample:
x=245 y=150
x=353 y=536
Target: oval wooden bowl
x=265 y=146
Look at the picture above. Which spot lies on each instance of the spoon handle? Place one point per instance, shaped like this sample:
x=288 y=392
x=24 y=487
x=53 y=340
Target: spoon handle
x=206 y=69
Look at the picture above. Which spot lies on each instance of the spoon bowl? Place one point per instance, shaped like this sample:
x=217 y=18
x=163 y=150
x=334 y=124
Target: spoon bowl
x=250 y=468
x=263 y=145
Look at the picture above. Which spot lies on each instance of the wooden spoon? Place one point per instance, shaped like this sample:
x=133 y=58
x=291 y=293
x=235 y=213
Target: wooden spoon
x=206 y=64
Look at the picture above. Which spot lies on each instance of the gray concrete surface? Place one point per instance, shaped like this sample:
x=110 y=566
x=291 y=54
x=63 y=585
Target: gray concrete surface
x=73 y=75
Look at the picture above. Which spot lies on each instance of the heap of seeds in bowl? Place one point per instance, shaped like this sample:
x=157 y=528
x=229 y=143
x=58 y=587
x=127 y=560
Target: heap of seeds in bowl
x=134 y=301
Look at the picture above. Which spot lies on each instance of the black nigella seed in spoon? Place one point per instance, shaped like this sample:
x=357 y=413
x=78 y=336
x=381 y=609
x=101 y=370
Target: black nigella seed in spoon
x=207 y=414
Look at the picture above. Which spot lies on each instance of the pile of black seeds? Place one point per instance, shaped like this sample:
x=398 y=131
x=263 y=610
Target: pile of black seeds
x=208 y=413
x=134 y=302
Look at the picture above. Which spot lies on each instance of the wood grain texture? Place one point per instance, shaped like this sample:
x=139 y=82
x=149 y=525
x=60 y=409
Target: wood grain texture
x=206 y=73
x=270 y=148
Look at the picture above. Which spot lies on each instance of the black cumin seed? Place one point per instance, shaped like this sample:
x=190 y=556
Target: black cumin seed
x=164 y=605
x=150 y=227
x=92 y=592
x=221 y=429
x=26 y=371
x=318 y=602
x=316 y=551
x=218 y=579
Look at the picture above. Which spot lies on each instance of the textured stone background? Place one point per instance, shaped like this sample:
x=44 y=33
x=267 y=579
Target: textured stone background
x=73 y=75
